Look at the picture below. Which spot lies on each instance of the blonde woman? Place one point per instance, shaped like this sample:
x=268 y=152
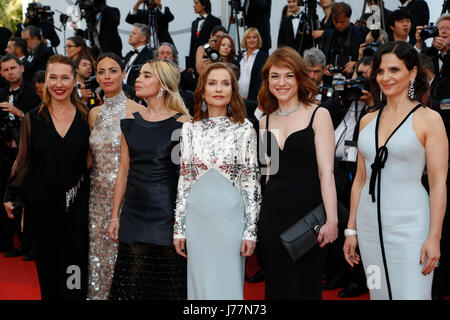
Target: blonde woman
x=147 y=266
x=251 y=63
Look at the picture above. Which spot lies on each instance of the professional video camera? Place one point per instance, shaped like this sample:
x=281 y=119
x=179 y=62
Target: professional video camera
x=89 y=10
x=352 y=88
x=429 y=32
x=236 y=5
x=92 y=85
x=36 y=13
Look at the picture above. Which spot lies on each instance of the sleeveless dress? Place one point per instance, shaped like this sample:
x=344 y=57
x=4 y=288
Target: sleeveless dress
x=290 y=193
x=147 y=266
x=404 y=212
x=217 y=205
x=105 y=146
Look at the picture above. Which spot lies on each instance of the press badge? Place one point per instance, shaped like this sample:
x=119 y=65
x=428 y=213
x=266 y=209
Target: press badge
x=350 y=151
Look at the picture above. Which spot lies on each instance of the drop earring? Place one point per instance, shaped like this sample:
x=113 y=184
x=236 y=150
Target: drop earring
x=411 y=93
x=160 y=93
x=204 y=106
x=229 y=109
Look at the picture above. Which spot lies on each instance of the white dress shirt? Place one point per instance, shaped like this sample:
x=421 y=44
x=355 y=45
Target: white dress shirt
x=246 y=65
x=346 y=128
x=131 y=61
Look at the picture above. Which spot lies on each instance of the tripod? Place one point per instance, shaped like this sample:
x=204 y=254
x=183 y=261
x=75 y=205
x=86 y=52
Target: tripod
x=150 y=14
x=234 y=19
x=310 y=23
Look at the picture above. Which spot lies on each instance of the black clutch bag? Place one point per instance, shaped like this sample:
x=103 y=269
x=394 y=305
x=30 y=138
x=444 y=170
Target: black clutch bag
x=301 y=237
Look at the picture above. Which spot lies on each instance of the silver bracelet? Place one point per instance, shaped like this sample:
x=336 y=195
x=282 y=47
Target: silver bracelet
x=115 y=219
x=350 y=232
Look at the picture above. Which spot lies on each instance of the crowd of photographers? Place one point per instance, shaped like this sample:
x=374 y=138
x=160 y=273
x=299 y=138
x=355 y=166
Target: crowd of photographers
x=337 y=53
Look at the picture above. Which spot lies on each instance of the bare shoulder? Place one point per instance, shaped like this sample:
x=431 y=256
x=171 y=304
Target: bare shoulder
x=133 y=106
x=92 y=117
x=366 y=119
x=428 y=115
x=184 y=118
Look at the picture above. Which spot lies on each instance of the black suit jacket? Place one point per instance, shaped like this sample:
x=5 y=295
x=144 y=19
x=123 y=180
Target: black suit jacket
x=25 y=98
x=286 y=34
x=108 y=37
x=258 y=16
x=439 y=90
x=256 y=76
x=434 y=54
x=162 y=22
x=357 y=36
x=5 y=34
x=202 y=38
x=143 y=56
x=47 y=29
x=420 y=15
x=40 y=58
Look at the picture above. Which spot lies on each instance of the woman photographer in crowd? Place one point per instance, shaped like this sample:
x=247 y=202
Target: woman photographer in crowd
x=76 y=47
x=218 y=190
x=201 y=55
x=104 y=123
x=51 y=173
x=392 y=219
x=147 y=267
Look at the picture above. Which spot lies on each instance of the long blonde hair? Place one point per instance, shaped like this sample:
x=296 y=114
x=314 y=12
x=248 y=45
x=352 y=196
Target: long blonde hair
x=47 y=101
x=169 y=78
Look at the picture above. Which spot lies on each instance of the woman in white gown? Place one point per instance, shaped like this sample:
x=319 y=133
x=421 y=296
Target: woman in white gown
x=392 y=218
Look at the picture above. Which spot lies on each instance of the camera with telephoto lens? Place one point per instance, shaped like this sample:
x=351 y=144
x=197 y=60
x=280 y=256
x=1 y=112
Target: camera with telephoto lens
x=429 y=32
x=354 y=87
x=236 y=5
x=212 y=54
x=91 y=84
x=371 y=48
x=89 y=10
x=36 y=13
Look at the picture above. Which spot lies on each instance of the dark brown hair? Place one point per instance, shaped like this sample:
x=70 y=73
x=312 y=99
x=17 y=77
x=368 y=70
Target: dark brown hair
x=340 y=8
x=289 y=58
x=47 y=101
x=238 y=111
x=80 y=42
x=410 y=57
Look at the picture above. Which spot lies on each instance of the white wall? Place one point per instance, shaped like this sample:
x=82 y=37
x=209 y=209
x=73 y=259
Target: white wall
x=184 y=15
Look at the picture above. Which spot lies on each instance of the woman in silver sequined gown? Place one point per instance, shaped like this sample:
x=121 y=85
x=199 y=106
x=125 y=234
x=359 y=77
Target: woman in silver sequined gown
x=218 y=191
x=104 y=122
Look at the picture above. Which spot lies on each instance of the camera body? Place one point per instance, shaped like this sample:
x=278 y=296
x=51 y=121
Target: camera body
x=36 y=13
x=212 y=54
x=371 y=48
x=9 y=127
x=429 y=32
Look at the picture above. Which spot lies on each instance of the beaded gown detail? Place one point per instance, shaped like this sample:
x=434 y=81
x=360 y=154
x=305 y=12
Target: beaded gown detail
x=105 y=146
x=217 y=205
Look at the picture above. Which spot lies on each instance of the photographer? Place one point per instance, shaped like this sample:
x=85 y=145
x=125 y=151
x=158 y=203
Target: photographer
x=38 y=52
x=420 y=13
x=103 y=21
x=202 y=55
x=341 y=45
x=84 y=72
x=399 y=23
x=41 y=17
x=438 y=52
x=346 y=108
x=16 y=99
x=315 y=61
x=154 y=18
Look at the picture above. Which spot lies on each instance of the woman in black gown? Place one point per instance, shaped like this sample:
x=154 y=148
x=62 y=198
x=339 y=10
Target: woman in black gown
x=50 y=172
x=300 y=174
x=147 y=266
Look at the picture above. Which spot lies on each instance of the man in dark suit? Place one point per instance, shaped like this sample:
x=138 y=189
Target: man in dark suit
x=18 y=47
x=201 y=29
x=257 y=15
x=154 y=8
x=438 y=52
x=39 y=52
x=134 y=59
x=400 y=22
x=341 y=44
x=15 y=99
x=420 y=13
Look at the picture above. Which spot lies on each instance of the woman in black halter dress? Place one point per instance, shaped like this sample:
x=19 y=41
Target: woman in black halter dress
x=300 y=175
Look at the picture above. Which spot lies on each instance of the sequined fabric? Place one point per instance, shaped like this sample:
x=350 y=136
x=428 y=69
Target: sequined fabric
x=105 y=146
x=228 y=147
